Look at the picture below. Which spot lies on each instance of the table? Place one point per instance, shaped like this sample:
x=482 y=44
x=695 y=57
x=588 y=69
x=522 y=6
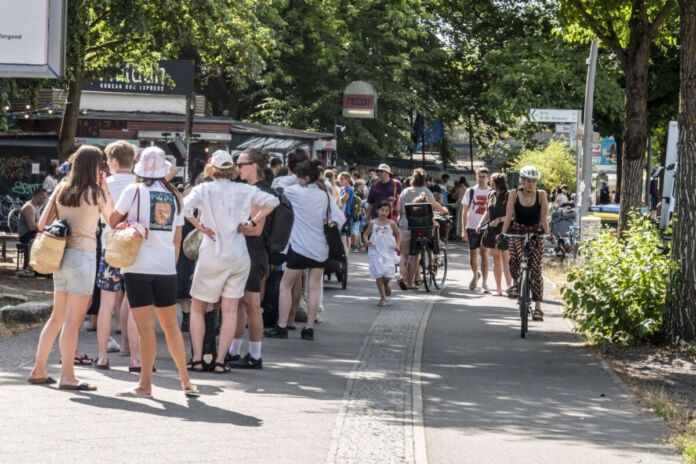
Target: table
x=4 y=238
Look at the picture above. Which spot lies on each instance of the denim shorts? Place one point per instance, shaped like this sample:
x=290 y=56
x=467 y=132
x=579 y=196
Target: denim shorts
x=77 y=272
x=355 y=228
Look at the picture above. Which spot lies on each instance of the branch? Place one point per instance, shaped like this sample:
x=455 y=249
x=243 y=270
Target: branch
x=659 y=19
x=605 y=36
x=99 y=19
x=108 y=44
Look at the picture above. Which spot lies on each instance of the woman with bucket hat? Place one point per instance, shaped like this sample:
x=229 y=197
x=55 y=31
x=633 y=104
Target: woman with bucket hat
x=223 y=262
x=151 y=280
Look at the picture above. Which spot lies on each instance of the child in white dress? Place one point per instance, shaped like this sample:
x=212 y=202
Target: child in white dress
x=382 y=236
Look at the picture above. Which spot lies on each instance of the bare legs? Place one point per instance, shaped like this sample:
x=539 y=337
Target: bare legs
x=69 y=321
x=291 y=279
x=250 y=313
x=145 y=321
x=501 y=260
x=106 y=308
x=382 y=286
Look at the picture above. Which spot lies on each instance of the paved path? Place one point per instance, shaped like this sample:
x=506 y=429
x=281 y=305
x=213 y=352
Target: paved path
x=349 y=395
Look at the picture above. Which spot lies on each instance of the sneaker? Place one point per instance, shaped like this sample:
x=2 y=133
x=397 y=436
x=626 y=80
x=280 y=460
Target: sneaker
x=26 y=273
x=355 y=249
x=318 y=319
x=229 y=359
x=485 y=288
x=277 y=332
x=247 y=362
x=472 y=284
x=112 y=346
x=185 y=318
x=307 y=334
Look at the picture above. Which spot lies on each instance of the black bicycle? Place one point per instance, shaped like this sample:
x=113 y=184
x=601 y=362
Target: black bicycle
x=429 y=243
x=524 y=289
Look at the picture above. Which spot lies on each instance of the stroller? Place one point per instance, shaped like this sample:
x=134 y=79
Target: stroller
x=562 y=225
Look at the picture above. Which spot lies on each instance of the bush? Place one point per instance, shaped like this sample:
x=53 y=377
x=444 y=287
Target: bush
x=617 y=292
x=556 y=164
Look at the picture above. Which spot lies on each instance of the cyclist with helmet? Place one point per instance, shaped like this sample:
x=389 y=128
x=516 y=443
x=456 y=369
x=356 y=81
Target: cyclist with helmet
x=527 y=213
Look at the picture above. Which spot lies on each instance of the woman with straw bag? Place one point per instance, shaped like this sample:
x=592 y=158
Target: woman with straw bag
x=79 y=202
x=151 y=279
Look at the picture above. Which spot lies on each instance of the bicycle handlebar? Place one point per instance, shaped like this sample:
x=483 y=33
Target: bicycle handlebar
x=533 y=235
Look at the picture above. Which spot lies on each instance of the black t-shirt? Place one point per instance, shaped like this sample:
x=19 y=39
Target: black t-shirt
x=258 y=244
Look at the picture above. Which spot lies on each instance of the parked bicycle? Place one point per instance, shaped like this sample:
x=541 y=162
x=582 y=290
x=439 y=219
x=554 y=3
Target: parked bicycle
x=9 y=213
x=524 y=292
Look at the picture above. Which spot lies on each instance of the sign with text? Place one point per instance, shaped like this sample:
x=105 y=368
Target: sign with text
x=360 y=100
x=552 y=115
x=181 y=72
x=32 y=38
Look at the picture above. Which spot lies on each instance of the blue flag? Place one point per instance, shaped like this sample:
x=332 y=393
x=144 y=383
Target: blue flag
x=433 y=134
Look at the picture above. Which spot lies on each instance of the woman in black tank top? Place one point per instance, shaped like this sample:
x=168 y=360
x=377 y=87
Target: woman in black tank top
x=527 y=213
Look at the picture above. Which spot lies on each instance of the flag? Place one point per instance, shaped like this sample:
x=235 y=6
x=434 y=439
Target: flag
x=433 y=134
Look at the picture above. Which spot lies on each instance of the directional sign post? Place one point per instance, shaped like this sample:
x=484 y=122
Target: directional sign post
x=551 y=115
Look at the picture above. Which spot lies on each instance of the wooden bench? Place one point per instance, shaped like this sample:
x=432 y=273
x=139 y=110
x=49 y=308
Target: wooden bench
x=4 y=238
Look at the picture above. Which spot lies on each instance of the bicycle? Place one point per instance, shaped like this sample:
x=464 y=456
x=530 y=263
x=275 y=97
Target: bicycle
x=430 y=246
x=568 y=245
x=9 y=213
x=524 y=290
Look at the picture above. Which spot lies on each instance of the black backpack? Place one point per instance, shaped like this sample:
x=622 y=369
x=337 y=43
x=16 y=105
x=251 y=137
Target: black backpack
x=281 y=224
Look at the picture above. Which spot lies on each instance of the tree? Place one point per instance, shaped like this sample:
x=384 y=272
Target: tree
x=628 y=28
x=680 y=322
x=556 y=164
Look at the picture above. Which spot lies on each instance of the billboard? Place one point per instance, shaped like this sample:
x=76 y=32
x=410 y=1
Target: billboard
x=181 y=72
x=32 y=38
x=604 y=152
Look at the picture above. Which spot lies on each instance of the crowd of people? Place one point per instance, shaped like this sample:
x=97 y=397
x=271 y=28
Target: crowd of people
x=232 y=205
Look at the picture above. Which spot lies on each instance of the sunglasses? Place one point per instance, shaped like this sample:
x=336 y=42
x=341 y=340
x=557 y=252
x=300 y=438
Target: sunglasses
x=378 y=171
x=240 y=165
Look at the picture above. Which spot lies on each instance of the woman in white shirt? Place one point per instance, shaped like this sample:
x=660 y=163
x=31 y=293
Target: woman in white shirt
x=311 y=204
x=223 y=261
x=151 y=280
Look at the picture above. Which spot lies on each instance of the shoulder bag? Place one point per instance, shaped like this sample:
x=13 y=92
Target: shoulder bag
x=123 y=242
x=48 y=247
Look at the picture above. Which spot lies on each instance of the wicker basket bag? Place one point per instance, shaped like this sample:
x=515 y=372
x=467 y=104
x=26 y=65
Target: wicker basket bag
x=47 y=250
x=192 y=244
x=123 y=242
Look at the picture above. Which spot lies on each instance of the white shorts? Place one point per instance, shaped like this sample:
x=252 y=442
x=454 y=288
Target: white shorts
x=215 y=278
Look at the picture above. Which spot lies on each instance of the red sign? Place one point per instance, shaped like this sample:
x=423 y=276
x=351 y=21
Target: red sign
x=359 y=101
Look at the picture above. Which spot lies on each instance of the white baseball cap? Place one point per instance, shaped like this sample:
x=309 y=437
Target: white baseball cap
x=222 y=160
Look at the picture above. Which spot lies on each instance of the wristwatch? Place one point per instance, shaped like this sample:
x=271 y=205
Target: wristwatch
x=252 y=222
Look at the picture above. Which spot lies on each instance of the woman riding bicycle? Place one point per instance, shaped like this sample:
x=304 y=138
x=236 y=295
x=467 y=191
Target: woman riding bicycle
x=529 y=207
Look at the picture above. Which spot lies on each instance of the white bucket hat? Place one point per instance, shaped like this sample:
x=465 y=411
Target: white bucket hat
x=152 y=164
x=384 y=167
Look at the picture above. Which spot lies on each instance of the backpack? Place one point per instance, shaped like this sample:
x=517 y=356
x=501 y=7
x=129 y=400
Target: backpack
x=281 y=223
x=356 y=208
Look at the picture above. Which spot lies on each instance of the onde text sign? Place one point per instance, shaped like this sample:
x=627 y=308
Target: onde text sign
x=553 y=115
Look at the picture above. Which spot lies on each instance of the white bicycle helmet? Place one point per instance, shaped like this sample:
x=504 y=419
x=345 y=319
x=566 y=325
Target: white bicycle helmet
x=529 y=172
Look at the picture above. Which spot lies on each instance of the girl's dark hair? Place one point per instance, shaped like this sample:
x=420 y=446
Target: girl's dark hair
x=462 y=181
x=295 y=158
x=384 y=203
x=150 y=182
x=82 y=180
x=283 y=171
x=499 y=180
x=308 y=169
x=52 y=169
x=268 y=175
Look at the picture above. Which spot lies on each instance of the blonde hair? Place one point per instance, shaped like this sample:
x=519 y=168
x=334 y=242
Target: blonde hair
x=122 y=151
x=217 y=173
x=421 y=198
x=346 y=175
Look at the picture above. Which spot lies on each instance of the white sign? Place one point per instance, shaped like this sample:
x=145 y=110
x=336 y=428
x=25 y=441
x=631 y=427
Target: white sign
x=32 y=38
x=551 y=115
x=564 y=128
x=326 y=145
x=35 y=168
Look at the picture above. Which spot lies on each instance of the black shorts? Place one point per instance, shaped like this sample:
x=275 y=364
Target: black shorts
x=259 y=265
x=474 y=239
x=150 y=289
x=298 y=261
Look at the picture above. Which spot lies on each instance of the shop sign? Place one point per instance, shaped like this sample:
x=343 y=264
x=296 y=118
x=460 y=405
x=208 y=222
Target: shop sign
x=180 y=71
x=325 y=145
x=360 y=101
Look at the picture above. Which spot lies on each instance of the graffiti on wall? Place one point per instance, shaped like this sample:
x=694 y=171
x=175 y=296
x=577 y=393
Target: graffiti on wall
x=24 y=189
x=15 y=167
x=16 y=178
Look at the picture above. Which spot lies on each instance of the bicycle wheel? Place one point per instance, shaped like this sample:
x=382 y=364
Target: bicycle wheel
x=523 y=300
x=425 y=267
x=439 y=266
x=13 y=220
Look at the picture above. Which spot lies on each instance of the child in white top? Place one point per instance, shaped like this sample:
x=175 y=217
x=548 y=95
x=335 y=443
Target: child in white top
x=382 y=236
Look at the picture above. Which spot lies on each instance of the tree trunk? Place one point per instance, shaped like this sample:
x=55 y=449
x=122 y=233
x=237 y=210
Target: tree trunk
x=68 y=125
x=635 y=130
x=619 y=166
x=681 y=318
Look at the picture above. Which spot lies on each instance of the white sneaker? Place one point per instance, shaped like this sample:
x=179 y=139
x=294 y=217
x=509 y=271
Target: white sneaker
x=485 y=288
x=112 y=346
x=318 y=319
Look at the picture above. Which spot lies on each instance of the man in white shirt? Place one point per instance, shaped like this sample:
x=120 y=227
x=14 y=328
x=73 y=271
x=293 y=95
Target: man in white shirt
x=475 y=202
x=294 y=158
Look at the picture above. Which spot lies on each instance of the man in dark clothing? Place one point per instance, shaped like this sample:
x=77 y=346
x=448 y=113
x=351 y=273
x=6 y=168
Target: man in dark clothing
x=383 y=189
x=28 y=225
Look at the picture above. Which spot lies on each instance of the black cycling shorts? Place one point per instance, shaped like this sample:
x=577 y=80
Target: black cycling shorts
x=298 y=261
x=259 y=265
x=150 y=290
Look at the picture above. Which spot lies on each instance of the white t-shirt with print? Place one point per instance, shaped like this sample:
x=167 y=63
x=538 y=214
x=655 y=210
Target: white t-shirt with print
x=477 y=207
x=159 y=213
x=117 y=182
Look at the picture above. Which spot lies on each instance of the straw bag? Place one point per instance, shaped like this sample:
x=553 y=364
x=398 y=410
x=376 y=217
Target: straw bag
x=192 y=244
x=48 y=247
x=123 y=242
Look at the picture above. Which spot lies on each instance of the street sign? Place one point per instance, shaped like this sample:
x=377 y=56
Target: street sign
x=563 y=128
x=551 y=115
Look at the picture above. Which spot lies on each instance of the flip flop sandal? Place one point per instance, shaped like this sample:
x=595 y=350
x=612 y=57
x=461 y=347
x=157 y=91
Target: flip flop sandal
x=192 y=366
x=133 y=394
x=192 y=392
x=225 y=369
x=83 y=360
x=80 y=387
x=45 y=381
x=382 y=303
x=103 y=367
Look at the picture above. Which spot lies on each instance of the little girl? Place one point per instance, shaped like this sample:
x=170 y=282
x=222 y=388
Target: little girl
x=382 y=236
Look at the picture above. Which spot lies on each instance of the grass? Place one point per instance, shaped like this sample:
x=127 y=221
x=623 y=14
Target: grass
x=8 y=300
x=679 y=417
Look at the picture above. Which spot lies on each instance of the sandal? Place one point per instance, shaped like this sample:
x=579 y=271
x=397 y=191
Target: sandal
x=402 y=284
x=382 y=302
x=538 y=315
x=191 y=366
x=83 y=360
x=512 y=292
x=225 y=369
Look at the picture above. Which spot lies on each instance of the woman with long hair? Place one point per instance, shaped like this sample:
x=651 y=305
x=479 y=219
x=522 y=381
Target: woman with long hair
x=151 y=280
x=223 y=262
x=494 y=216
x=79 y=202
x=311 y=203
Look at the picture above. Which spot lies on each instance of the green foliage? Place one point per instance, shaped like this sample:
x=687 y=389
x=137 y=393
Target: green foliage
x=617 y=292
x=556 y=164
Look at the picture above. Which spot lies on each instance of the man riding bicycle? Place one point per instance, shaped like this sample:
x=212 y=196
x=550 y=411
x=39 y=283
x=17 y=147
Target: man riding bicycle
x=527 y=213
